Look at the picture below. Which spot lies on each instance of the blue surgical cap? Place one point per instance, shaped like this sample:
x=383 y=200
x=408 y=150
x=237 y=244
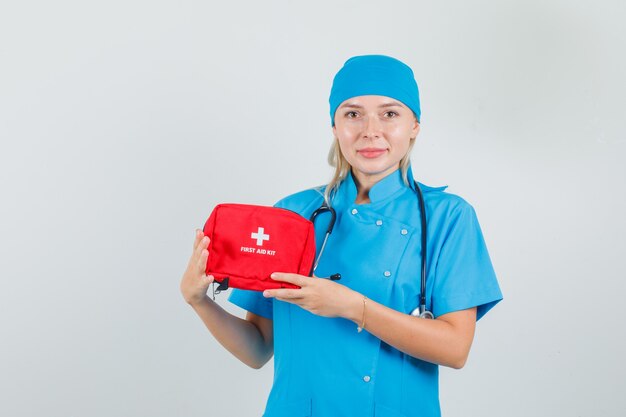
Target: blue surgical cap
x=378 y=75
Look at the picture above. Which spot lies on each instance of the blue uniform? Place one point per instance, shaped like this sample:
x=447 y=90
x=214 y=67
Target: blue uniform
x=323 y=366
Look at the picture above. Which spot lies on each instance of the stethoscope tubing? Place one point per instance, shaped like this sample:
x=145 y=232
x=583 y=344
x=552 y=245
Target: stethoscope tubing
x=333 y=216
x=421 y=310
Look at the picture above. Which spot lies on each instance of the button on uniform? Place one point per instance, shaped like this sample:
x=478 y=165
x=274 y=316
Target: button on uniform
x=387 y=274
x=367 y=378
x=379 y=222
x=354 y=211
x=404 y=231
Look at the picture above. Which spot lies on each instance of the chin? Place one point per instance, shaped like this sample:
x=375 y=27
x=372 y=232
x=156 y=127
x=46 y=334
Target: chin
x=375 y=167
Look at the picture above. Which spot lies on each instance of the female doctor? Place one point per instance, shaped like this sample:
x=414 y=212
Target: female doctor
x=351 y=347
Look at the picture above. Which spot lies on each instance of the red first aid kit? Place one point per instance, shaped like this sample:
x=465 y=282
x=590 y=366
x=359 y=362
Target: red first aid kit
x=250 y=242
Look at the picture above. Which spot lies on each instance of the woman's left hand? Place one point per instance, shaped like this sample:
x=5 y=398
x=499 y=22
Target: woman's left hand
x=320 y=296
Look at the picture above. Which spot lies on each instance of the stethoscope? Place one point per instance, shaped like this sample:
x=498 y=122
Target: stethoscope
x=420 y=311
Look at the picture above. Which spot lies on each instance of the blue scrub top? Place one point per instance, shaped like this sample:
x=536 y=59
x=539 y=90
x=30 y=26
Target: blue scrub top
x=323 y=366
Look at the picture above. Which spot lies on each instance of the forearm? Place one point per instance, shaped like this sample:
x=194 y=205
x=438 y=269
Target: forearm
x=240 y=337
x=445 y=340
x=440 y=341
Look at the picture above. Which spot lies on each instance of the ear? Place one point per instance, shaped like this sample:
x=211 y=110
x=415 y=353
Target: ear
x=415 y=129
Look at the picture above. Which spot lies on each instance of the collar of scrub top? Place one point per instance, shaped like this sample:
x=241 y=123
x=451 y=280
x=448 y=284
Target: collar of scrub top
x=382 y=190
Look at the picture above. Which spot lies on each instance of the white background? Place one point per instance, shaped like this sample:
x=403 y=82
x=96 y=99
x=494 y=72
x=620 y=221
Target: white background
x=122 y=123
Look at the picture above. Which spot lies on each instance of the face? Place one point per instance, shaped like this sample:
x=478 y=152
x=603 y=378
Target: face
x=374 y=134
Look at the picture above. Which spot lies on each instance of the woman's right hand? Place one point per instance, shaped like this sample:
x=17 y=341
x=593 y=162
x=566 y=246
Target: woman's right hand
x=195 y=282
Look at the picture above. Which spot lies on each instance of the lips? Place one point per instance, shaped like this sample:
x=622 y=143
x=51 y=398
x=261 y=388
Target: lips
x=371 y=152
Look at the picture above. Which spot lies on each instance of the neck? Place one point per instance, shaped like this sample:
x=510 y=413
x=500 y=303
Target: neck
x=362 y=196
x=365 y=182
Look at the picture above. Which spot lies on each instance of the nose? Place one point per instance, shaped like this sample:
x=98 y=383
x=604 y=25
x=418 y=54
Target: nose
x=372 y=127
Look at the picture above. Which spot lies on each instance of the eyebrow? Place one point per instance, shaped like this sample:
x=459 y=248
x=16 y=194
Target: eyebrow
x=356 y=106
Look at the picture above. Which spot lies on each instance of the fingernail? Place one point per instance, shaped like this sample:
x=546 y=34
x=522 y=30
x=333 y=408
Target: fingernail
x=266 y=294
x=273 y=275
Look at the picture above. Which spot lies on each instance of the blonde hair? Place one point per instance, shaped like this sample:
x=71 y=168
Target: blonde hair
x=342 y=167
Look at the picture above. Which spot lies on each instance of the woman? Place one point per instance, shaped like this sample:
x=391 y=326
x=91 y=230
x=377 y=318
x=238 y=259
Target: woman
x=351 y=347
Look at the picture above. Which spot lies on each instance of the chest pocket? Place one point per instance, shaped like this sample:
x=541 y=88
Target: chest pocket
x=367 y=250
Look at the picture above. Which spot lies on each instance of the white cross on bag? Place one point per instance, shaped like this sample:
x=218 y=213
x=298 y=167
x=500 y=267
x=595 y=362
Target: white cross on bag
x=260 y=236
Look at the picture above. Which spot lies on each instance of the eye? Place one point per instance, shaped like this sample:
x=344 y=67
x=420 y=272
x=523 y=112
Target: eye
x=390 y=114
x=351 y=114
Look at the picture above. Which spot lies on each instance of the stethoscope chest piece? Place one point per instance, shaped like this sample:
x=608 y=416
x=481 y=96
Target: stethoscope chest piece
x=422 y=315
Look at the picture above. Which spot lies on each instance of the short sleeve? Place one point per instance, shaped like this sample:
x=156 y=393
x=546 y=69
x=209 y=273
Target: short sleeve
x=464 y=276
x=252 y=301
